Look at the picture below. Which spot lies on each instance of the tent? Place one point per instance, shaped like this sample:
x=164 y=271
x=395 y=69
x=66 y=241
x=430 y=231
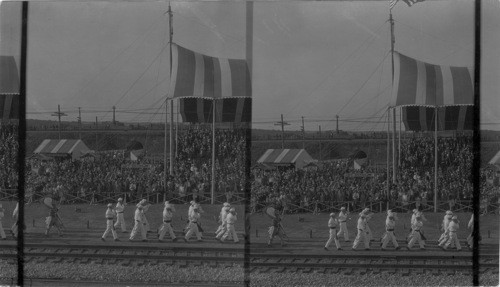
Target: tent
x=62 y=148
x=297 y=158
x=360 y=159
x=495 y=160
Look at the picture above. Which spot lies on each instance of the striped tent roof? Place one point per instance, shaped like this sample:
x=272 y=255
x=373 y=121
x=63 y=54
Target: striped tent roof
x=61 y=147
x=417 y=83
x=283 y=156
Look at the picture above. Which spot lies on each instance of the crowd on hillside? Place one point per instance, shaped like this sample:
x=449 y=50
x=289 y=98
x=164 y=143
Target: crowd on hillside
x=337 y=182
x=102 y=175
x=9 y=147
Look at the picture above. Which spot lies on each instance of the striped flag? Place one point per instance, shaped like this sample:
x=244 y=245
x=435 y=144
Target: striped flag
x=195 y=75
x=199 y=110
x=411 y=2
x=457 y=118
x=418 y=83
x=9 y=89
x=392 y=3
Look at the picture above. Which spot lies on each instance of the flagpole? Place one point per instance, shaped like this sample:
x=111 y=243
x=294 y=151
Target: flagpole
x=388 y=150
x=394 y=174
x=435 y=157
x=171 y=35
x=213 y=151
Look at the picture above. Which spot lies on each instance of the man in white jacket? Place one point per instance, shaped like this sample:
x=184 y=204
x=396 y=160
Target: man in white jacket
x=120 y=219
x=110 y=216
x=168 y=214
x=342 y=219
x=452 y=231
x=138 y=224
x=194 y=217
x=332 y=225
x=230 y=222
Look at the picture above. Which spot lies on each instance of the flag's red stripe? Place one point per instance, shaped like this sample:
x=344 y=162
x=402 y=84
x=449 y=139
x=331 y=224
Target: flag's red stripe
x=184 y=86
x=407 y=81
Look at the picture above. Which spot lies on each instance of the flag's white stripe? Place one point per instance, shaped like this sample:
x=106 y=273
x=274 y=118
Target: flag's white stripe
x=225 y=76
x=421 y=96
x=175 y=66
x=199 y=76
x=448 y=97
x=264 y=157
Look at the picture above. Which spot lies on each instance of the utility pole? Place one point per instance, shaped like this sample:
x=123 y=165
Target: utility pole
x=282 y=124
x=320 y=153
x=114 y=119
x=59 y=115
x=337 y=116
x=80 y=122
x=303 y=134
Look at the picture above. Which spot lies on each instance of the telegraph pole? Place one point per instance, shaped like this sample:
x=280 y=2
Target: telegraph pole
x=282 y=124
x=303 y=134
x=114 y=119
x=59 y=115
x=80 y=122
x=337 y=116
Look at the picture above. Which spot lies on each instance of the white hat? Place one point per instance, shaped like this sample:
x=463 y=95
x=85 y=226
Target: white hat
x=110 y=205
x=366 y=209
x=448 y=212
x=415 y=210
x=192 y=202
x=120 y=199
x=167 y=203
x=332 y=214
x=342 y=208
x=226 y=204
x=143 y=201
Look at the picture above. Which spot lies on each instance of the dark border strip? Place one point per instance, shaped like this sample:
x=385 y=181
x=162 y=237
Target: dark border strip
x=22 y=143
x=476 y=139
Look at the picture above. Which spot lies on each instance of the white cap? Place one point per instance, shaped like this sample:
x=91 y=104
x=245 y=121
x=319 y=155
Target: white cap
x=226 y=204
x=143 y=201
x=415 y=210
x=110 y=205
x=167 y=203
x=192 y=202
x=342 y=208
x=120 y=199
x=448 y=212
x=332 y=214
x=389 y=211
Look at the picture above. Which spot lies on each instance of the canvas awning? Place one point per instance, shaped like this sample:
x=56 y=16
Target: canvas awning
x=61 y=148
x=285 y=157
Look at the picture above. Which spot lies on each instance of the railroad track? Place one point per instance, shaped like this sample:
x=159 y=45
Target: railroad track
x=259 y=260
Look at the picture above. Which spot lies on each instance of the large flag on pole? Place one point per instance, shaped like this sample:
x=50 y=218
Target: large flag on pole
x=417 y=83
x=9 y=89
x=198 y=79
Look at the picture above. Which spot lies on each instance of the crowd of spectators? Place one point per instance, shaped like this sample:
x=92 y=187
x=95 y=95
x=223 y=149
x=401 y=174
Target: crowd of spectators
x=340 y=182
x=105 y=175
x=9 y=147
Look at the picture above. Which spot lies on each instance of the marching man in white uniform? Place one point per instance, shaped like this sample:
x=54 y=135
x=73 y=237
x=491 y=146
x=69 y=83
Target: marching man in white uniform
x=342 y=218
x=416 y=236
x=138 y=224
x=230 y=230
x=361 y=233
x=120 y=219
x=168 y=213
x=390 y=223
x=2 y=232
x=368 y=216
x=332 y=224
x=110 y=216
x=446 y=221
x=193 y=225
x=145 y=208
x=223 y=212
x=452 y=230
x=223 y=227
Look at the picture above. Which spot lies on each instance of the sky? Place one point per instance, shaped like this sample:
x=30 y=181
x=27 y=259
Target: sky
x=310 y=59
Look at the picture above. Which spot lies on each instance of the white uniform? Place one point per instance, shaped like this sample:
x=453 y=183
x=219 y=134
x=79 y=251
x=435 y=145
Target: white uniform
x=389 y=234
x=369 y=233
x=2 y=232
x=342 y=218
x=444 y=236
x=138 y=225
x=193 y=226
x=416 y=236
x=361 y=234
x=452 y=235
x=223 y=230
x=167 y=223
x=120 y=219
x=332 y=224
x=145 y=219
x=230 y=230
x=110 y=215
x=222 y=215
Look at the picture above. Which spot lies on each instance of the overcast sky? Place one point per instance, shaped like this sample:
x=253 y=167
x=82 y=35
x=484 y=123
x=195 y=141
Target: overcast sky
x=311 y=59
